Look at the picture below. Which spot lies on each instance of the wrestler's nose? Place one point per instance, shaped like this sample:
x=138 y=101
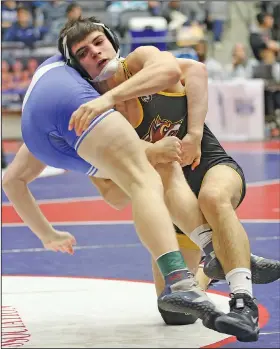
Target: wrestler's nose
x=95 y=51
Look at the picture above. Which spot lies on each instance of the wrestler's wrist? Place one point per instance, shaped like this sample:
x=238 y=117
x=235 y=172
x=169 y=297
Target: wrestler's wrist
x=110 y=98
x=196 y=134
x=151 y=153
x=47 y=235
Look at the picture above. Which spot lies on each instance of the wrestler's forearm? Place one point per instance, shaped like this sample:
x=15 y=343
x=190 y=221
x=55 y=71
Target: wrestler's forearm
x=196 y=86
x=151 y=79
x=27 y=208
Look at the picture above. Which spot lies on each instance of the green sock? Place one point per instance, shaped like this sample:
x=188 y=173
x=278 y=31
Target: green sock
x=170 y=262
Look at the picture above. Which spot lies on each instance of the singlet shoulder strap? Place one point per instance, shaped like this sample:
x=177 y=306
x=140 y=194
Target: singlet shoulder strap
x=125 y=68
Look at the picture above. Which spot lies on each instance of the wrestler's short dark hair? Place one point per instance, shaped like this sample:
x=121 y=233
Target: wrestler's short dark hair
x=77 y=30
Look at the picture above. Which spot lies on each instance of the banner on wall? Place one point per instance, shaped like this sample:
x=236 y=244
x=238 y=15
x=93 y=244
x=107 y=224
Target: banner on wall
x=236 y=110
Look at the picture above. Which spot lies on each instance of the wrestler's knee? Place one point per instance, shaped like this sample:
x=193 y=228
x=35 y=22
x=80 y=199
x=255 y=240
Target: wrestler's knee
x=213 y=199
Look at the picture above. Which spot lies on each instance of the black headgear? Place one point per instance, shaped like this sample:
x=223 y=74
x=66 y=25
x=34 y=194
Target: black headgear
x=72 y=60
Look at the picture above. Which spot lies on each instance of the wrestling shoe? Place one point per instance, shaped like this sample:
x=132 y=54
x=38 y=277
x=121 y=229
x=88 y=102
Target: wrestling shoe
x=242 y=320
x=177 y=319
x=184 y=296
x=263 y=270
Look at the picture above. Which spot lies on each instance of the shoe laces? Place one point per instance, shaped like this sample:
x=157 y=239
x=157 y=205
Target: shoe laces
x=246 y=299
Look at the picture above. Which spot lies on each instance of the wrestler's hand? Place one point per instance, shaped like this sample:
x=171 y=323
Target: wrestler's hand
x=191 y=151
x=82 y=117
x=166 y=150
x=59 y=241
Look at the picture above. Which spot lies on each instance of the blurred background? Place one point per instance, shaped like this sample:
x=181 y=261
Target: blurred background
x=239 y=42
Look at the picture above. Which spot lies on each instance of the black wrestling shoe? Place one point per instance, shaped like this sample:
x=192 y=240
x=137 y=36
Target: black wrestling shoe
x=177 y=319
x=185 y=296
x=263 y=270
x=243 y=319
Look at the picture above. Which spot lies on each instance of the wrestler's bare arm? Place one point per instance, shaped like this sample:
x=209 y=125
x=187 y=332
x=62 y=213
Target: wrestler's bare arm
x=153 y=71
x=195 y=79
x=24 y=167
x=23 y=170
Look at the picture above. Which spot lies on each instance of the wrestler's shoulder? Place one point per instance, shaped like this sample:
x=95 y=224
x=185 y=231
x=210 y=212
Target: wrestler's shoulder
x=137 y=58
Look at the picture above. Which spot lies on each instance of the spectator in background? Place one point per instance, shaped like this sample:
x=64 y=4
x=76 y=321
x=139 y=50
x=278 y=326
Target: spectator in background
x=266 y=51
x=273 y=8
x=218 y=13
x=214 y=68
x=264 y=6
x=32 y=65
x=276 y=27
x=241 y=66
x=54 y=13
x=185 y=22
x=260 y=38
x=154 y=7
x=195 y=11
x=9 y=15
x=17 y=70
x=24 y=82
x=22 y=30
x=191 y=11
x=269 y=70
x=73 y=11
x=7 y=77
x=174 y=15
x=54 y=10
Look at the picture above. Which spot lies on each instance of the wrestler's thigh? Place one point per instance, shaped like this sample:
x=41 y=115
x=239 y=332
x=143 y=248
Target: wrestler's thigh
x=221 y=184
x=114 y=147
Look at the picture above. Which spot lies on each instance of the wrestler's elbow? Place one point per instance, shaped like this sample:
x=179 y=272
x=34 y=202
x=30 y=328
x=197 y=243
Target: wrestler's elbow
x=8 y=180
x=171 y=68
x=195 y=67
x=11 y=184
x=201 y=68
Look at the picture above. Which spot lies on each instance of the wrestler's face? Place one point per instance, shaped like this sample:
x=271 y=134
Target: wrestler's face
x=94 y=52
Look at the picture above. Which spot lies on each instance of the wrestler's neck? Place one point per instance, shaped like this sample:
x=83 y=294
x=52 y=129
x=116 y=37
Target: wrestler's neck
x=107 y=85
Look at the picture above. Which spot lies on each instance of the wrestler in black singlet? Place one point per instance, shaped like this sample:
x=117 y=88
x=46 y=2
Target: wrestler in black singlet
x=166 y=114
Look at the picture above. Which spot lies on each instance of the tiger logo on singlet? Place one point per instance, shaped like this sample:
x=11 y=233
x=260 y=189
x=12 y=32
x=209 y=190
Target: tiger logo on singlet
x=160 y=128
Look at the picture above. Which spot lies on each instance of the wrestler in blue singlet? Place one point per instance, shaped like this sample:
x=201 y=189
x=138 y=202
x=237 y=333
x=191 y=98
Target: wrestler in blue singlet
x=55 y=92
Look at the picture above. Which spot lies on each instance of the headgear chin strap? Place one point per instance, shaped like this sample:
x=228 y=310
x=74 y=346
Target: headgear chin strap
x=109 y=69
